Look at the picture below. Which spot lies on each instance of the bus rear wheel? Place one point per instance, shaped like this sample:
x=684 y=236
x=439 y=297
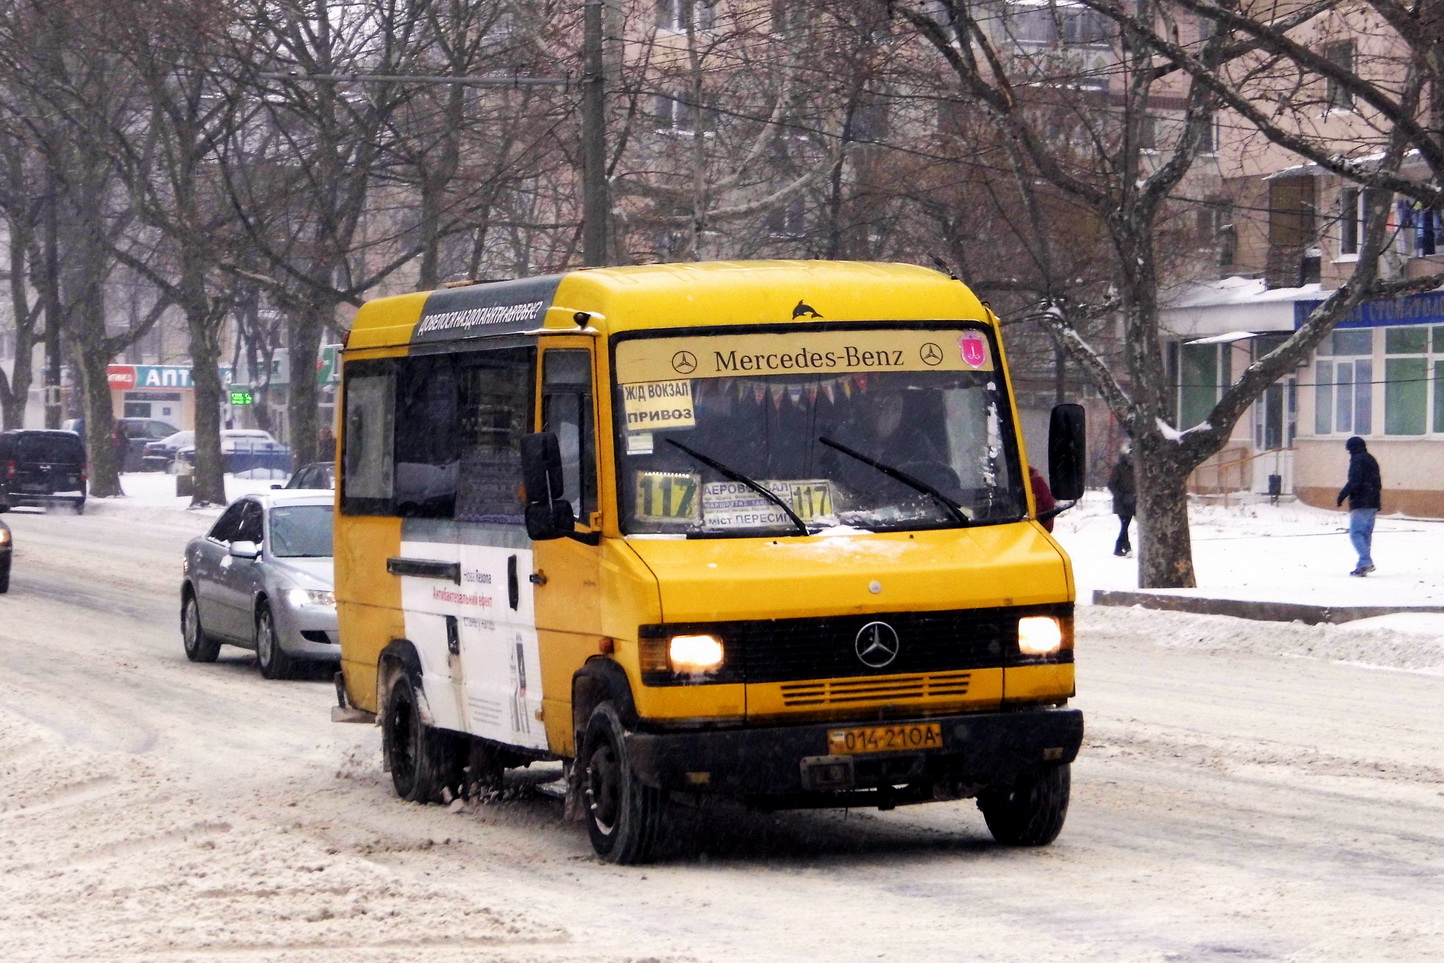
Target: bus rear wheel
x=420 y=758
x=1031 y=811
x=623 y=815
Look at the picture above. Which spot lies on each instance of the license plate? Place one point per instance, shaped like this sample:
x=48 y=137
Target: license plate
x=846 y=742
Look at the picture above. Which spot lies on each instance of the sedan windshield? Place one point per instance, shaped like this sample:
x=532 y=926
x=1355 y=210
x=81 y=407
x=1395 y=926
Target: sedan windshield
x=301 y=531
x=765 y=433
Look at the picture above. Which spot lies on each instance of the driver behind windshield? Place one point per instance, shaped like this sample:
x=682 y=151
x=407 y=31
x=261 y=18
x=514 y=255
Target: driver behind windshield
x=871 y=450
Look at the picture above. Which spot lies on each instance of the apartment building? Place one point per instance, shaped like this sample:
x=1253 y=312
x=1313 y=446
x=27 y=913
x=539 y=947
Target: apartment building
x=1291 y=234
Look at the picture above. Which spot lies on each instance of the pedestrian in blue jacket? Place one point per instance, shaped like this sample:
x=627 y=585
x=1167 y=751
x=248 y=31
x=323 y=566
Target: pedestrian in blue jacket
x=1362 y=490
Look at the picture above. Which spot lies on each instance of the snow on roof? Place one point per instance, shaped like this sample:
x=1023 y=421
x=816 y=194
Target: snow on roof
x=1233 y=306
x=1240 y=290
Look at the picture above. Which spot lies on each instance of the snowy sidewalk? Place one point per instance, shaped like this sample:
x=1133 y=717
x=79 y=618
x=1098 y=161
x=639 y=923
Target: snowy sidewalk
x=1280 y=561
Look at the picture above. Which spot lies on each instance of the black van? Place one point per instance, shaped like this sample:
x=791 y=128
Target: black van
x=40 y=467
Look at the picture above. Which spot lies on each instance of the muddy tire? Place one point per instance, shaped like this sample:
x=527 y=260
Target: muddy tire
x=421 y=759
x=623 y=815
x=1031 y=811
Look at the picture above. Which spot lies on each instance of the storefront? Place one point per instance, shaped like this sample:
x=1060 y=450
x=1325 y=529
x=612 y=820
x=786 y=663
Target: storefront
x=1379 y=375
x=160 y=392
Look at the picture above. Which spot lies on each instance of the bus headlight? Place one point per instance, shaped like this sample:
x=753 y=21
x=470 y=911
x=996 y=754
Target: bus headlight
x=1039 y=635
x=695 y=653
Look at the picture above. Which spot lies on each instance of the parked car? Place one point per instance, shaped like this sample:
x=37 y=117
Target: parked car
x=317 y=475
x=160 y=455
x=40 y=467
x=143 y=431
x=242 y=449
x=7 y=547
x=262 y=579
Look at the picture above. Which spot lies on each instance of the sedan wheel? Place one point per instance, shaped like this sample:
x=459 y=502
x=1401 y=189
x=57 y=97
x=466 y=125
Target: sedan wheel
x=273 y=660
x=199 y=646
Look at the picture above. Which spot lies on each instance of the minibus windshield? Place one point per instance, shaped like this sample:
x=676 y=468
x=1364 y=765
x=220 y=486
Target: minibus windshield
x=876 y=428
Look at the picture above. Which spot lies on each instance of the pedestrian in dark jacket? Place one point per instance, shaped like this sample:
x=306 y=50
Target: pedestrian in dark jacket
x=1363 y=490
x=120 y=439
x=1124 y=489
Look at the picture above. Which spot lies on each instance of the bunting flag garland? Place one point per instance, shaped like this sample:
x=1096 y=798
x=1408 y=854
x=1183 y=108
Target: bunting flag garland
x=835 y=390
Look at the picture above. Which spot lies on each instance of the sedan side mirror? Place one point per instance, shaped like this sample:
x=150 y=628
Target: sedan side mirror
x=244 y=549
x=1067 y=444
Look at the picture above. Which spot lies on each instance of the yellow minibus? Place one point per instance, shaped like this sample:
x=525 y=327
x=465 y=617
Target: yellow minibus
x=754 y=529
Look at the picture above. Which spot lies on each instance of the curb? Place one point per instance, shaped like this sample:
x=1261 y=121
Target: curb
x=1262 y=611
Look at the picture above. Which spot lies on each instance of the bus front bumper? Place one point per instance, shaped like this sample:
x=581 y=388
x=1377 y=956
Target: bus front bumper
x=977 y=750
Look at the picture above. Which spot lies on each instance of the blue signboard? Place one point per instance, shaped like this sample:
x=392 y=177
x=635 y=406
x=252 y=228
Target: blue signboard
x=1425 y=308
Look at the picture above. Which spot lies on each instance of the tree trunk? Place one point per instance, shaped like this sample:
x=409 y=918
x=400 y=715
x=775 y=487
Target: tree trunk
x=1165 y=549
x=99 y=425
x=202 y=326
x=306 y=329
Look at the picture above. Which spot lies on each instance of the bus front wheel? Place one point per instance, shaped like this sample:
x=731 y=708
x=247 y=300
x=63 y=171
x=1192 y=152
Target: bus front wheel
x=419 y=757
x=1031 y=811
x=623 y=815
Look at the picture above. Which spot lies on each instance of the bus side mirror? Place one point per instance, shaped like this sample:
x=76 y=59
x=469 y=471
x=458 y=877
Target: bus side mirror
x=548 y=515
x=1067 y=444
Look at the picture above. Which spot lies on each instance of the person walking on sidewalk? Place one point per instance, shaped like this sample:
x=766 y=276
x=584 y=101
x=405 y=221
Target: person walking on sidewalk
x=1124 y=489
x=1362 y=490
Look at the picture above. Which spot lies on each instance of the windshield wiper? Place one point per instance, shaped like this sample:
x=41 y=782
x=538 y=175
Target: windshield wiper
x=737 y=476
x=915 y=483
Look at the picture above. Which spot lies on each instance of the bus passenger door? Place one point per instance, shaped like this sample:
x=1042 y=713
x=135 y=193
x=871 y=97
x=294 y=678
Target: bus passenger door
x=566 y=576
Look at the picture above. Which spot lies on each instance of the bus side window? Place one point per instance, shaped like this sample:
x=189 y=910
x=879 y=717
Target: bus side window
x=494 y=392
x=567 y=412
x=366 y=455
x=426 y=451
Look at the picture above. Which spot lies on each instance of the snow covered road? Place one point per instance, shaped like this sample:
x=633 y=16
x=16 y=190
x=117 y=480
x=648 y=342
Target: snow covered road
x=1246 y=791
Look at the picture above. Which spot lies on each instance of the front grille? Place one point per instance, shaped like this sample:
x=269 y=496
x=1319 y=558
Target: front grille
x=792 y=650
x=830 y=692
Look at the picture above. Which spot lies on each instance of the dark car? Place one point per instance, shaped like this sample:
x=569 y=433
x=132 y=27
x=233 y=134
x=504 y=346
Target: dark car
x=39 y=467
x=160 y=455
x=318 y=474
x=141 y=432
x=7 y=546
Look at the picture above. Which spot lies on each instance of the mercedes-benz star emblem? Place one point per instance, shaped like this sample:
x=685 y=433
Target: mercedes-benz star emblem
x=684 y=362
x=931 y=354
x=876 y=645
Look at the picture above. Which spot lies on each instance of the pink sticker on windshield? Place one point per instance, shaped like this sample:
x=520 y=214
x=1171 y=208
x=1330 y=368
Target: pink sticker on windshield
x=975 y=350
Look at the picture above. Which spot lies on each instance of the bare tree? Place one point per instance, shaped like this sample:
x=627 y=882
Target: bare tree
x=22 y=205
x=1356 y=91
x=719 y=136
x=73 y=93
x=168 y=158
x=1113 y=164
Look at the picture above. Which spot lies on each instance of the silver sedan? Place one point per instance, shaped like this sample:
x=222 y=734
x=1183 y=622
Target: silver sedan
x=262 y=578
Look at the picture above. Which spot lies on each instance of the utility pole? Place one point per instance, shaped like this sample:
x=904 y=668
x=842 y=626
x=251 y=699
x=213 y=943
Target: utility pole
x=595 y=204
